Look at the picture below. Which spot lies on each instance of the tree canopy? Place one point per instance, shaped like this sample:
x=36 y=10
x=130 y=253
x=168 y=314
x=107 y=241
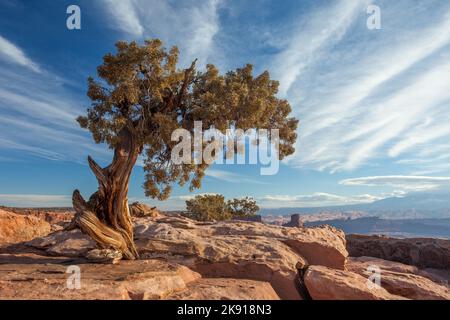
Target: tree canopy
x=208 y=207
x=142 y=92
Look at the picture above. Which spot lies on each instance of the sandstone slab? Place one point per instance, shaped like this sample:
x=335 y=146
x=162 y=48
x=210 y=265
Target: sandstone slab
x=232 y=249
x=54 y=279
x=19 y=227
x=330 y=284
x=400 y=279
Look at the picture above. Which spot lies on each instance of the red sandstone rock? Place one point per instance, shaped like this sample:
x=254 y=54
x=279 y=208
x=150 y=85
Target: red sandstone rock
x=400 y=279
x=330 y=284
x=17 y=228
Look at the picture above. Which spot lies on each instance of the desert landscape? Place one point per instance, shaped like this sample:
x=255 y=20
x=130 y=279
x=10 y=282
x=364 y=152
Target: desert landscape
x=241 y=154
x=185 y=259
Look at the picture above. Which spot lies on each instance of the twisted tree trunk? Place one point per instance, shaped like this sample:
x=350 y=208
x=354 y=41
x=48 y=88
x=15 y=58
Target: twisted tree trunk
x=106 y=216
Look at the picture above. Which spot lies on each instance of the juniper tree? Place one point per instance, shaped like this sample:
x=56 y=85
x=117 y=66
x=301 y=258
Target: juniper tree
x=244 y=207
x=138 y=99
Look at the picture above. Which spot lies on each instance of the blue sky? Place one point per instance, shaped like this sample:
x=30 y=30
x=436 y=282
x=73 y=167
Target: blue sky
x=373 y=104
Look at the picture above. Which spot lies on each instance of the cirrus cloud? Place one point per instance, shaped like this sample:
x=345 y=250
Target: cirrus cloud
x=410 y=183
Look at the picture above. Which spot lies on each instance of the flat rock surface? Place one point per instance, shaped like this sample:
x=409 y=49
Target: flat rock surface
x=233 y=249
x=400 y=279
x=330 y=284
x=35 y=277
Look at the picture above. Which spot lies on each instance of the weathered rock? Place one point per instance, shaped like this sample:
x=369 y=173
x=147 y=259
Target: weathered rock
x=138 y=209
x=234 y=249
x=296 y=221
x=330 y=284
x=257 y=257
x=226 y=289
x=440 y=276
x=141 y=279
x=104 y=256
x=18 y=227
x=400 y=279
x=323 y=245
x=72 y=243
x=52 y=216
x=420 y=252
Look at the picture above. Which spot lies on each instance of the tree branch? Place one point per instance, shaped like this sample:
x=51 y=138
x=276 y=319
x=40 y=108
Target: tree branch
x=187 y=74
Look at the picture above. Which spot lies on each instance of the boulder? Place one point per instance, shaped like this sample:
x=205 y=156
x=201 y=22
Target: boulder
x=138 y=209
x=18 y=227
x=72 y=243
x=234 y=256
x=420 y=252
x=330 y=284
x=400 y=279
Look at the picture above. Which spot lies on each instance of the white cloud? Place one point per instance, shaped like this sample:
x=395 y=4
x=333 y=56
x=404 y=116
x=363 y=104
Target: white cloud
x=315 y=34
x=13 y=54
x=39 y=118
x=189 y=24
x=318 y=199
x=35 y=200
x=230 y=176
x=125 y=16
x=408 y=183
x=376 y=95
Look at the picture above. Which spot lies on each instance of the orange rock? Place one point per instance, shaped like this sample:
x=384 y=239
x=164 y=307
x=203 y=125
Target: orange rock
x=330 y=284
x=232 y=249
x=401 y=279
x=139 y=279
x=18 y=227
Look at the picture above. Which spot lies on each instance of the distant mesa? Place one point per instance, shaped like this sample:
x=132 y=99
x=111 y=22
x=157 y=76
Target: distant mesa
x=296 y=221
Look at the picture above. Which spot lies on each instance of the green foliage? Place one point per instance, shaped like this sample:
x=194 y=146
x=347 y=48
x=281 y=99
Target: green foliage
x=244 y=207
x=213 y=207
x=141 y=92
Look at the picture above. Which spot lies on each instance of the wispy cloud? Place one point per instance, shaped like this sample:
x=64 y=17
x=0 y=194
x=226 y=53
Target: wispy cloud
x=318 y=199
x=408 y=183
x=35 y=200
x=13 y=54
x=190 y=24
x=377 y=95
x=315 y=34
x=230 y=176
x=38 y=117
x=125 y=15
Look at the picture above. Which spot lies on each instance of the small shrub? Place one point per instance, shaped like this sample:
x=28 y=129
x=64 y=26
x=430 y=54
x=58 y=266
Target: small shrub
x=245 y=207
x=213 y=207
x=207 y=207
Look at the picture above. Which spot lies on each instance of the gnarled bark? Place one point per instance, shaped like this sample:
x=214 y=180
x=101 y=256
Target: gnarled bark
x=106 y=217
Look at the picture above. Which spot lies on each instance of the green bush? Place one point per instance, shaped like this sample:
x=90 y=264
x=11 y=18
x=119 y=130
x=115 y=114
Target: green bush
x=245 y=207
x=214 y=207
